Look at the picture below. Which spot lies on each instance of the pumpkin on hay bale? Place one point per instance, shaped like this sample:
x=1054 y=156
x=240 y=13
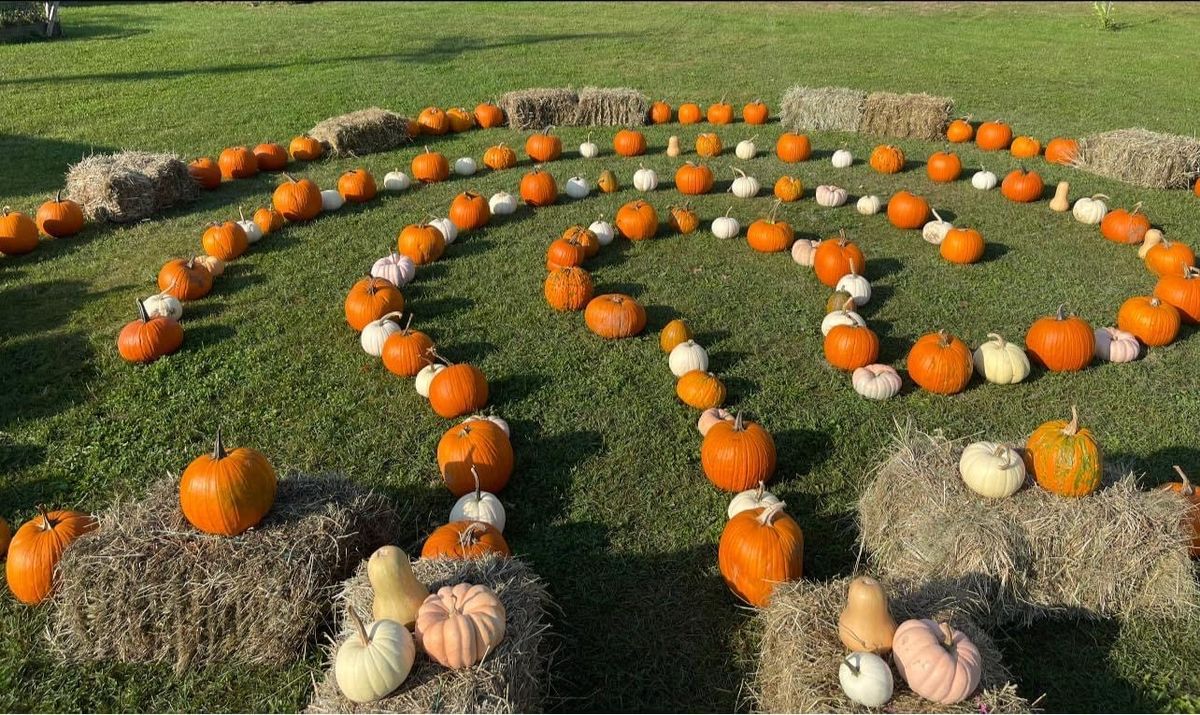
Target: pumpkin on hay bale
x=511 y=678
x=1141 y=157
x=836 y=109
x=540 y=108
x=611 y=107
x=906 y=116
x=366 y=131
x=130 y=185
x=1119 y=552
x=800 y=651
x=147 y=587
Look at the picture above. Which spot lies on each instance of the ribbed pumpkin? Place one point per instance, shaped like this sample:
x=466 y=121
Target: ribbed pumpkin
x=268 y=220
x=226 y=241
x=36 y=549
x=1060 y=150
x=755 y=112
x=836 y=257
x=737 y=455
x=357 y=186
x=887 y=159
x=305 y=148
x=1191 y=523
x=674 y=333
x=962 y=246
x=637 y=220
x=907 y=210
x=469 y=211
x=370 y=299
x=538 y=188
x=1022 y=186
x=568 y=288
x=543 y=146
x=993 y=136
x=720 y=113
x=682 y=220
x=297 y=200
x=793 y=147
x=488 y=115
x=422 y=243
x=59 y=217
x=614 y=315
x=1154 y=322
x=660 y=112
x=759 y=549
x=693 y=179
x=475 y=447
x=1064 y=458
x=457 y=390
x=770 y=235
x=18 y=233
x=464 y=540
x=584 y=237
x=788 y=189
x=430 y=167
x=1122 y=226
x=689 y=113
x=959 y=131
x=1169 y=258
x=185 y=279
x=943 y=167
x=433 y=120
x=406 y=352
x=205 y=172
x=849 y=347
x=147 y=339
x=1061 y=342
x=499 y=157
x=565 y=253
x=227 y=492
x=940 y=363
x=1182 y=291
x=237 y=162
x=629 y=142
x=270 y=157
x=1025 y=147
x=700 y=389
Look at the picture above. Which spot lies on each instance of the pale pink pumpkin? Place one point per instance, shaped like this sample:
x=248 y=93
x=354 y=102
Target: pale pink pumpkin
x=712 y=416
x=460 y=624
x=938 y=662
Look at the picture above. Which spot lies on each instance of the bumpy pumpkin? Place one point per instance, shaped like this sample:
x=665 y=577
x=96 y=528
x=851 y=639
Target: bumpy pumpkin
x=940 y=363
x=1064 y=458
x=36 y=549
x=1061 y=342
x=460 y=624
x=226 y=493
x=433 y=120
x=759 y=549
x=737 y=456
x=475 y=450
x=887 y=159
x=708 y=145
x=568 y=288
x=464 y=540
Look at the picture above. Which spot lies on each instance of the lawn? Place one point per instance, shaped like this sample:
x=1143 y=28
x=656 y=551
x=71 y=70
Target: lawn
x=608 y=501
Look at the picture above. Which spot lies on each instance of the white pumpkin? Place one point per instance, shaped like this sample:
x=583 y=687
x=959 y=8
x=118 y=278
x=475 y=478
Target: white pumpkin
x=1090 y=209
x=479 y=506
x=375 y=661
x=498 y=421
x=831 y=196
x=1000 y=362
x=251 y=229
x=711 y=418
x=751 y=499
x=396 y=181
x=447 y=228
x=744 y=186
x=425 y=378
x=577 y=187
x=991 y=469
x=645 y=179
x=687 y=356
x=398 y=269
x=984 y=180
x=857 y=286
x=841 y=159
x=935 y=231
x=804 y=251
x=163 y=305
x=1113 y=345
x=726 y=226
x=603 y=230
x=1153 y=238
x=876 y=382
x=869 y=205
x=866 y=679
x=588 y=149
x=331 y=200
x=746 y=149
x=376 y=333
x=465 y=166
x=841 y=317
x=502 y=203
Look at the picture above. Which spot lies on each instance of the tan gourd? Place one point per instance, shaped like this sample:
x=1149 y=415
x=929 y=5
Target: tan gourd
x=865 y=623
x=1152 y=239
x=673 y=146
x=1060 y=202
x=398 y=593
x=607 y=182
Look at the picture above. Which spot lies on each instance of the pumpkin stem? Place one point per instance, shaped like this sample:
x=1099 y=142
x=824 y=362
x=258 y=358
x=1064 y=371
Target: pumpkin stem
x=1061 y=313
x=142 y=314
x=762 y=487
x=1001 y=450
x=943 y=338
x=471 y=534
x=947 y=635
x=853 y=668
x=775 y=211
x=437 y=356
x=408 y=323
x=728 y=211
x=770 y=513
x=218 y=447
x=1000 y=341
x=475 y=474
x=1072 y=426
x=1136 y=208
x=753 y=137
x=843 y=239
x=288 y=177
x=58 y=196
x=936 y=215
x=358 y=626
x=738 y=171
x=738 y=425
x=46 y=525
x=1187 y=488
x=241 y=213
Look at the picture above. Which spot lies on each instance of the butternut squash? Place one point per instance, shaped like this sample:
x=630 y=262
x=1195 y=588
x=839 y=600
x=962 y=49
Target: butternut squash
x=1060 y=202
x=673 y=146
x=398 y=593
x=865 y=623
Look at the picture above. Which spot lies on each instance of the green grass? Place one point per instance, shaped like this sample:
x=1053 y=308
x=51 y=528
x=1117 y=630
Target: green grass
x=608 y=501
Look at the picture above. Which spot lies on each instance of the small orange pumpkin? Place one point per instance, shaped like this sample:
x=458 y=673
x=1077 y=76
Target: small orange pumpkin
x=614 y=315
x=1168 y=258
x=237 y=162
x=225 y=241
x=18 y=233
x=147 y=339
x=565 y=253
x=629 y=142
x=943 y=167
x=1022 y=186
x=406 y=352
x=1182 y=291
x=1064 y=458
x=489 y=115
x=357 y=186
x=755 y=112
x=270 y=157
x=1154 y=322
x=464 y=540
x=297 y=200
x=962 y=246
x=460 y=119
x=430 y=167
x=1025 y=147
x=836 y=257
x=36 y=549
x=789 y=189
x=457 y=390
x=887 y=159
x=60 y=217
x=205 y=172
x=305 y=148
x=701 y=390
x=959 y=131
x=792 y=147
x=184 y=279
x=268 y=220
x=689 y=113
x=720 y=113
x=660 y=112
x=693 y=179
x=907 y=210
x=993 y=136
x=674 y=333
x=770 y=235
x=849 y=347
x=422 y=243
x=1122 y=226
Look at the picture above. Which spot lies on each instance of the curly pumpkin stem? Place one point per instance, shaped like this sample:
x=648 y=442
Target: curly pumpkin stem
x=471 y=534
x=1061 y=313
x=775 y=212
x=1001 y=450
x=999 y=339
x=360 y=628
x=1072 y=426
x=770 y=513
x=947 y=635
x=437 y=356
x=218 y=447
x=843 y=239
x=741 y=174
x=937 y=215
x=1187 y=489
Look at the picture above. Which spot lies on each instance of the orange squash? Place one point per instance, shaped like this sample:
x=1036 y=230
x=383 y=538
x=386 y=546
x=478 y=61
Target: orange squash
x=36 y=549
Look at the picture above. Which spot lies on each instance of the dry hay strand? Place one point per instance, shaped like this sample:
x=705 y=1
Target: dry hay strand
x=130 y=185
x=1141 y=157
x=366 y=131
x=1119 y=552
x=540 y=108
x=906 y=116
x=800 y=651
x=619 y=107
x=512 y=678
x=834 y=109
x=146 y=587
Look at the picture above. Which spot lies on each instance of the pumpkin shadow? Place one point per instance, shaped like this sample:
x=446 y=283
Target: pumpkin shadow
x=892 y=348
x=633 y=290
x=737 y=388
x=427 y=506
x=657 y=317
x=237 y=277
x=200 y=310
x=993 y=251
x=1158 y=466
x=514 y=388
x=721 y=361
x=19 y=495
x=475 y=244
x=540 y=491
x=204 y=336
x=471 y=351
x=613 y=254
x=879 y=295
x=45 y=374
x=429 y=309
x=709 y=338
x=879 y=268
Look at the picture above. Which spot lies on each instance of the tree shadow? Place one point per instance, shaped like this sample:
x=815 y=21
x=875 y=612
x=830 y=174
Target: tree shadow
x=45 y=160
x=45 y=375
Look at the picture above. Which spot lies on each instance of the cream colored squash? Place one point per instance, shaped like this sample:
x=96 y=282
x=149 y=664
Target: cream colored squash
x=1153 y=238
x=425 y=378
x=991 y=469
x=687 y=356
x=869 y=205
x=841 y=159
x=398 y=593
x=876 y=382
x=857 y=286
x=840 y=317
x=1090 y=210
x=1000 y=362
x=371 y=664
x=479 y=506
x=935 y=231
x=804 y=251
x=1060 y=202
x=984 y=180
x=866 y=679
x=750 y=499
x=163 y=305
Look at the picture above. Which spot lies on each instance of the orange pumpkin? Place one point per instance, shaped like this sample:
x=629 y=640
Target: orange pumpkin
x=227 y=492
x=543 y=146
x=1025 y=147
x=1022 y=186
x=568 y=288
x=629 y=142
x=584 y=237
x=357 y=186
x=993 y=136
x=305 y=148
x=637 y=221
x=1182 y=291
x=1191 y=522
x=469 y=211
x=755 y=112
x=422 y=243
x=475 y=448
x=1064 y=458
x=1167 y=258
x=370 y=299
x=836 y=257
x=759 y=549
x=674 y=333
x=457 y=390
x=225 y=241
x=689 y=113
x=1062 y=151
x=464 y=540
x=720 y=113
x=943 y=167
x=36 y=549
x=693 y=179
x=1061 y=342
x=959 y=131
x=184 y=279
x=849 y=347
x=682 y=220
x=737 y=455
x=268 y=220
x=499 y=157
x=701 y=390
x=907 y=210
x=1122 y=226
x=147 y=339
x=18 y=233
x=660 y=112
x=205 y=172
x=538 y=188
x=708 y=145
x=270 y=157
x=793 y=147
x=1152 y=321
x=297 y=200
x=614 y=315
x=887 y=159
x=60 y=217
x=488 y=115
x=940 y=363
x=962 y=246
x=769 y=235
x=433 y=120
x=565 y=253
x=789 y=189
x=237 y=162
x=406 y=352
x=430 y=167
x=460 y=120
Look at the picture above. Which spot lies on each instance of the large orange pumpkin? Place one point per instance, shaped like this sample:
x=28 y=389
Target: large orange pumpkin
x=759 y=549
x=433 y=120
x=793 y=147
x=225 y=241
x=943 y=167
x=475 y=448
x=464 y=540
x=568 y=289
x=1064 y=458
x=1061 y=342
x=406 y=352
x=237 y=162
x=457 y=390
x=430 y=167
x=907 y=210
x=737 y=455
x=1060 y=150
x=59 y=217
x=993 y=136
x=693 y=179
x=1022 y=186
x=227 y=492
x=543 y=146
x=305 y=148
x=1152 y=321
x=637 y=220
x=297 y=200
x=147 y=339
x=629 y=142
x=370 y=299
x=1122 y=226
x=836 y=257
x=940 y=363
x=489 y=115
x=185 y=279
x=614 y=315
x=422 y=243
x=849 y=347
x=538 y=188
x=36 y=549
x=1182 y=291
x=469 y=211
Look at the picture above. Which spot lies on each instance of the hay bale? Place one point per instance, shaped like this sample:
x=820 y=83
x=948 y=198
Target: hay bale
x=800 y=652
x=366 y=131
x=539 y=108
x=1116 y=553
x=834 y=109
x=611 y=107
x=1141 y=157
x=146 y=587
x=511 y=678
x=906 y=116
x=130 y=185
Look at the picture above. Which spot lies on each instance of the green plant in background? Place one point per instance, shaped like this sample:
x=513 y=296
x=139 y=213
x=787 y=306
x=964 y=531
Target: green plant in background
x=1104 y=15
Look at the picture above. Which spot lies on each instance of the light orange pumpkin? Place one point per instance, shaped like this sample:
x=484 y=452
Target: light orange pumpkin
x=674 y=333
x=701 y=390
x=682 y=220
x=1025 y=147
x=1154 y=322
x=459 y=625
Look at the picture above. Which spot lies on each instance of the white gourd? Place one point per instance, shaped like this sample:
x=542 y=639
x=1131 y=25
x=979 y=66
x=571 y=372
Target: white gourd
x=376 y=333
x=1090 y=209
x=866 y=679
x=465 y=166
x=804 y=251
x=1000 y=362
x=869 y=205
x=935 y=231
x=645 y=179
x=841 y=159
x=726 y=226
x=991 y=469
x=750 y=499
x=831 y=196
x=687 y=356
x=479 y=506
x=396 y=181
x=984 y=180
x=250 y=228
x=447 y=228
x=603 y=230
x=588 y=149
x=498 y=421
x=398 y=269
x=331 y=200
x=848 y=318
x=857 y=286
x=876 y=382
x=577 y=187
x=425 y=378
x=744 y=186
x=163 y=305
x=502 y=203
x=746 y=149
x=374 y=661
x=1113 y=345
